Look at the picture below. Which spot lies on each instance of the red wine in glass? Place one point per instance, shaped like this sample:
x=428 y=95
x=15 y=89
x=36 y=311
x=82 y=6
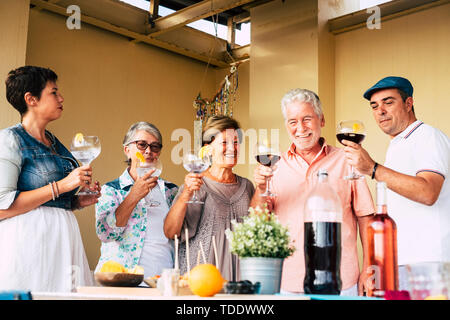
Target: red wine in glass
x=268 y=160
x=267 y=156
x=354 y=137
x=351 y=130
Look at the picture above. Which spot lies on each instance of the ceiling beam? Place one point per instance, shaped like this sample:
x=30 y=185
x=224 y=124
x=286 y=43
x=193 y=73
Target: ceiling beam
x=231 y=34
x=388 y=11
x=49 y=1
x=243 y=17
x=154 y=6
x=193 y=13
x=239 y=54
x=173 y=47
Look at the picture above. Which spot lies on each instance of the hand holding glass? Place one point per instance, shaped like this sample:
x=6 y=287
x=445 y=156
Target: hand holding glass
x=195 y=164
x=144 y=167
x=266 y=155
x=85 y=149
x=352 y=130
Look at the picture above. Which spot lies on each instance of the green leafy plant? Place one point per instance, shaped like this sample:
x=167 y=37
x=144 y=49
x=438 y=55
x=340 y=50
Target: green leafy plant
x=260 y=234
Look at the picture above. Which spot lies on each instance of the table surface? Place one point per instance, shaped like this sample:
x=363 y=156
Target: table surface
x=140 y=293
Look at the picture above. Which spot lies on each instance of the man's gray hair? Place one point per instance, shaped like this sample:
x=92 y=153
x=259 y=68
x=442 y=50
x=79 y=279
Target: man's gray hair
x=304 y=96
x=138 y=126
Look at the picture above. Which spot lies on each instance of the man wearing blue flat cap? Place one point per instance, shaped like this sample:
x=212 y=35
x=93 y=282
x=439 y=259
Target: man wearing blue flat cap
x=416 y=172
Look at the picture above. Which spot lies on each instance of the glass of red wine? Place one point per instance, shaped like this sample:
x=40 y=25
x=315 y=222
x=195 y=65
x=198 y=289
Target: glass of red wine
x=352 y=130
x=268 y=156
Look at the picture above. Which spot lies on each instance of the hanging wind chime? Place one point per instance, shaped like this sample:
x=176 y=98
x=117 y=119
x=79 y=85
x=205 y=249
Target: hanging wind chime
x=221 y=104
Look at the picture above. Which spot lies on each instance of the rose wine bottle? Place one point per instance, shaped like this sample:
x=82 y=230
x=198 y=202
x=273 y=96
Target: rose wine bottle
x=382 y=249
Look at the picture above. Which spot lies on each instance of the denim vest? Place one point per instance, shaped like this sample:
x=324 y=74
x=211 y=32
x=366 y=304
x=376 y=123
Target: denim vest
x=42 y=165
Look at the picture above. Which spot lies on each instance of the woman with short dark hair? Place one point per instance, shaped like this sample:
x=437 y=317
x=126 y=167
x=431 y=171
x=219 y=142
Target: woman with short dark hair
x=40 y=243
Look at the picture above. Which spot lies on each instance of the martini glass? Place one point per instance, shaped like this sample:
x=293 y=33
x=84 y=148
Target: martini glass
x=85 y=149
x=193 y=163
x=144 y=167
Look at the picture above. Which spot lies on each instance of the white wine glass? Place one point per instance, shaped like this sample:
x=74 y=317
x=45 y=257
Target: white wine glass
x=268 y=156
x=355 y=131
x=193 y=163
x=85 y=149
x=142 y=168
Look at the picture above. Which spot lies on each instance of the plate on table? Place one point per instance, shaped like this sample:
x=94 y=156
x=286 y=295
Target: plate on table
x=118 y=279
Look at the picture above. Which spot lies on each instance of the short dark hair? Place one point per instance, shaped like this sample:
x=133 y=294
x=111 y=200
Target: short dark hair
x=404 y=96
x=25 y=79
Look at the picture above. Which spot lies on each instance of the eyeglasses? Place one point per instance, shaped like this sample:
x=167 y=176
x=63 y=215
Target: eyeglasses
x=143 y=145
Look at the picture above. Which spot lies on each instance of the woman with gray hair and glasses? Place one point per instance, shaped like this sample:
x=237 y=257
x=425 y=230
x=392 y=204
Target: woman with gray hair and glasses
x=131 y=231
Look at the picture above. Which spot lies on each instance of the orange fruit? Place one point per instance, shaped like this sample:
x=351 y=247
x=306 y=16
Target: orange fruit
x=205 y=280
x=112 y=266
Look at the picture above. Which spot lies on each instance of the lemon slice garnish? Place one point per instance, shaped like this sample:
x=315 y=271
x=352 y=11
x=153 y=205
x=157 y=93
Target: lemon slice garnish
x=79 y=137
x=140 y=156
x=203 y=151
x=356 y=127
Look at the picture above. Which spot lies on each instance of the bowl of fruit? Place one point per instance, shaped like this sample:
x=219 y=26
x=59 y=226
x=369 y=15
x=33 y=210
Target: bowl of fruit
x=114 y=274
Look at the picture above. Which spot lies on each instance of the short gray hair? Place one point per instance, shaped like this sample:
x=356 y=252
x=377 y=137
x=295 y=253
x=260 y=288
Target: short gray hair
x=138 y=126
x=301 y=95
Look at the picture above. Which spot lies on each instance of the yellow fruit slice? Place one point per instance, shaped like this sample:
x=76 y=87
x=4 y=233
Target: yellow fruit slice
x=205 y=280
x=112 y=266
x=79 y=137
x=203 y=151
x=136 y=270
x=140 y=156
x=356 y=127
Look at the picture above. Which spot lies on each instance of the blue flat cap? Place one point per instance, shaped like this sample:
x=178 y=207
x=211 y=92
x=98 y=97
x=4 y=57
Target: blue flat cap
x=391 y=82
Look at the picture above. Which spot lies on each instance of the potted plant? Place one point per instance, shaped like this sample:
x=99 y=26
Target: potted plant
x=262 y=244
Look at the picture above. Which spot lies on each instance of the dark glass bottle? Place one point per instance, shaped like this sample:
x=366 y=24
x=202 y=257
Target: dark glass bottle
x=322 y=239
x=382 y=249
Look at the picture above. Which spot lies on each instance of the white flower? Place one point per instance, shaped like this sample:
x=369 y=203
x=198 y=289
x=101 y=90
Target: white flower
x=260 y=234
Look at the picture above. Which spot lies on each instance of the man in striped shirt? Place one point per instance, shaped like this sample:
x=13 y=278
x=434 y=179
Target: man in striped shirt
x=416 y=172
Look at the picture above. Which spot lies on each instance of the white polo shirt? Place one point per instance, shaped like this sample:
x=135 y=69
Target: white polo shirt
x=423 y=232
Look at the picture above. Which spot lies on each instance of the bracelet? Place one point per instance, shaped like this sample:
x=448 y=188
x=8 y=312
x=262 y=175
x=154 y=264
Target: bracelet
x=53 y=191
x=57 y=189
x=374 y=169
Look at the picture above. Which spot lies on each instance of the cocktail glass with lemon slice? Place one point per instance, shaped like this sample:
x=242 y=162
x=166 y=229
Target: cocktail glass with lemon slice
x=197 y=163
x=352 y=130
x=142 y=168
x=85 y=149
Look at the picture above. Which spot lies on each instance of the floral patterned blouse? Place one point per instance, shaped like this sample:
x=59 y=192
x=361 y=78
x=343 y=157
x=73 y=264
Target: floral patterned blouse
x=124 y=244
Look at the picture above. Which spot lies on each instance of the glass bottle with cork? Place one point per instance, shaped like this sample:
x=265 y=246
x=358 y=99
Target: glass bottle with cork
x=382 y=249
